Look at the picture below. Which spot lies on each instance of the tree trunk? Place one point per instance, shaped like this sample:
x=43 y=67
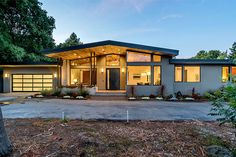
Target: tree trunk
x=5 y=145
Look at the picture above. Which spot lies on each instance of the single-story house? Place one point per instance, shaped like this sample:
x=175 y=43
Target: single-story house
x=112 y=66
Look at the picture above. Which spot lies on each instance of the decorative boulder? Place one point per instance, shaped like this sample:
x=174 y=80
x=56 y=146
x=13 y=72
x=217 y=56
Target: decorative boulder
x=173 y=99
x=80 y=98
x=218 y=151
x=39 y=96
x=145 y=98
x=189 y=99
x=131 y=98
x=66 y=97
x=159 y=98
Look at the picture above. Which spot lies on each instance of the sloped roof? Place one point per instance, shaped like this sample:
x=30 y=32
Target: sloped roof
x=166 y=51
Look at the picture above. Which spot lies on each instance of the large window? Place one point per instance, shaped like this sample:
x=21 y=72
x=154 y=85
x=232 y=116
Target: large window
x=30 y=82
x=138 y=57
x=178 y=74
x=156 y=58
x=139 y=75
x=112 y=60
x=234 y=74
x=225 y=74
x=157 y=75
x=82 y=76
x=192 y=74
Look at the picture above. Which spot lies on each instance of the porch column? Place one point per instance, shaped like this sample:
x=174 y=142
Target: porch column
x=90 y=61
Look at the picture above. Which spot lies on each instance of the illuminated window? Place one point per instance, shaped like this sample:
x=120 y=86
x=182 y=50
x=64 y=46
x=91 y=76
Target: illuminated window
x=234 y=74
x=225 y=74
x=138 y=57
x=157 y=75
x=156 y=58
x=112 y=60
x=139 y=75
x=192 y=74
x=178 y=74
x=82 y=76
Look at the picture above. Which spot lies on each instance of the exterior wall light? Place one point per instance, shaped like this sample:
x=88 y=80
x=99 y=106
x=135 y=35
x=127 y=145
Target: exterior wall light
x=102 y=70
x=55 y=75
x=123 y=70
x=6 y=75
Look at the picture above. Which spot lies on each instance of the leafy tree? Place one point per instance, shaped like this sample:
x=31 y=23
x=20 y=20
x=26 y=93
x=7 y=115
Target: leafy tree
x=5 y=145
x=212 y=54
x=25 y=30
x=232 y=55
x=73 y=40
x=224 y=105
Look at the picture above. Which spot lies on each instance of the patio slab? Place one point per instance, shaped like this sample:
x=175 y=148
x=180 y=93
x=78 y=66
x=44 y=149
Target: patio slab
x=112 y=110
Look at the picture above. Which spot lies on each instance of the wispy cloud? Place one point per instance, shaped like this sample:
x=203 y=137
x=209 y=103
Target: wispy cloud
x=171 y=16
x=120 y=5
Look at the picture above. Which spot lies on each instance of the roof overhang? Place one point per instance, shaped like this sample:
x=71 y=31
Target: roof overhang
x=105 y=48
x=202 y=62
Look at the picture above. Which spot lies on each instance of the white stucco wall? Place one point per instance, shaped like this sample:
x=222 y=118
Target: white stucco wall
x=210 y=80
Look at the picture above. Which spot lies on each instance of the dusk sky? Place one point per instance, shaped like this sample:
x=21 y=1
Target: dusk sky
x=186 y=25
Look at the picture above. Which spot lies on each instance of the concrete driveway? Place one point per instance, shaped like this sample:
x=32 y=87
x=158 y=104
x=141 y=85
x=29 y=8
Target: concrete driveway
x=91 y=109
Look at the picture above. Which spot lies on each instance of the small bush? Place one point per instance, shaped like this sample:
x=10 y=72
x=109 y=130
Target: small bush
x=56 y=92
x=47 y=92
x=84 y=93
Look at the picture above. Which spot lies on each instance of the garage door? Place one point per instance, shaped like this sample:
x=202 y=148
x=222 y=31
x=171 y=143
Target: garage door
x=29 y=83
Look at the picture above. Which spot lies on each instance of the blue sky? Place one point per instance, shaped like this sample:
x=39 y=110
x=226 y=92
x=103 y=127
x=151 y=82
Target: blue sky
x=186 y=25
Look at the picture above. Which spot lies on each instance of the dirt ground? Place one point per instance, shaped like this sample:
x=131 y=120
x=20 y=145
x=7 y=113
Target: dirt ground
x=52 y=137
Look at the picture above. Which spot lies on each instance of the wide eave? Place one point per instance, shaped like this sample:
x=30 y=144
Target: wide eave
x=104 y=48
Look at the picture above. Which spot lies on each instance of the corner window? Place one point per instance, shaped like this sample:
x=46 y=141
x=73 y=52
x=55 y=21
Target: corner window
x=139 y=75
x=156 y=58
x=234 y=74
x=191 y=73
x=225 y=74
x=157 y=75
x=138 y=57
x=178 y=74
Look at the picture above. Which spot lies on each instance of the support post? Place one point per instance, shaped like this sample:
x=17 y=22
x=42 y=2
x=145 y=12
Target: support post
x=90 y=60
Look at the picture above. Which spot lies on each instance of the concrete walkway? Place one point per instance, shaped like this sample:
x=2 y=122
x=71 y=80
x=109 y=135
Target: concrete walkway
x=91 y=109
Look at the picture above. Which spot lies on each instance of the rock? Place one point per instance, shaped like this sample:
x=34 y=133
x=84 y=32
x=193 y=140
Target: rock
x=39 y=96
x=80 y=97
x=131 y=98
x=218 y=151
x=159 y=98
x=145 y=98
x=189 y=99
x=66 y=97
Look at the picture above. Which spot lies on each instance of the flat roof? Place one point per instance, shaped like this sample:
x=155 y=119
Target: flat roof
x=166 y=51
x=29 y=64
x=202 y=61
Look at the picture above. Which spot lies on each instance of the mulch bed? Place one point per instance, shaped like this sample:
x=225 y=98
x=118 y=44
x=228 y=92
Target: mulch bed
x=52 y=137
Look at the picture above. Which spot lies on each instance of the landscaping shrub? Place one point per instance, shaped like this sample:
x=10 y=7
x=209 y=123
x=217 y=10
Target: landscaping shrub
x=84 y=92
x=56 y=92
x=47 y=92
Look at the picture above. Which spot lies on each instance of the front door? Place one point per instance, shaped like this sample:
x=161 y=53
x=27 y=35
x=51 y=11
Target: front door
x=113 y=78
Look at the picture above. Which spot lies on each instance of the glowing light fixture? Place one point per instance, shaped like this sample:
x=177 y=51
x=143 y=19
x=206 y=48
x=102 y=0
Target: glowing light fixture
x=6 y=75
x=55 y=75
x=102 y=70
x=123 y=70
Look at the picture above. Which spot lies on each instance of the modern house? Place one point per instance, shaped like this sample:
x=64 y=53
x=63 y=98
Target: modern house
x=117 y=66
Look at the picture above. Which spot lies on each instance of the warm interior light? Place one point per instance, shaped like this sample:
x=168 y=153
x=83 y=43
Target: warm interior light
x=148 y=73
x=102 y=70
x=6 y=75
x=55 y=75
x=123 y=70
x=75 y=80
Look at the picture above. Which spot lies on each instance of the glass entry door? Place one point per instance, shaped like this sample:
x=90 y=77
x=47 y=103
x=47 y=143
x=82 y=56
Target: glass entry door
x=113 y=78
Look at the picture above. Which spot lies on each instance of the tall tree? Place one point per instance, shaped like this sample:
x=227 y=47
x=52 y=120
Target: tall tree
x=25 y=30
x=232 y=55
x=212 y=54
x=5 y=145
x=73 y=40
